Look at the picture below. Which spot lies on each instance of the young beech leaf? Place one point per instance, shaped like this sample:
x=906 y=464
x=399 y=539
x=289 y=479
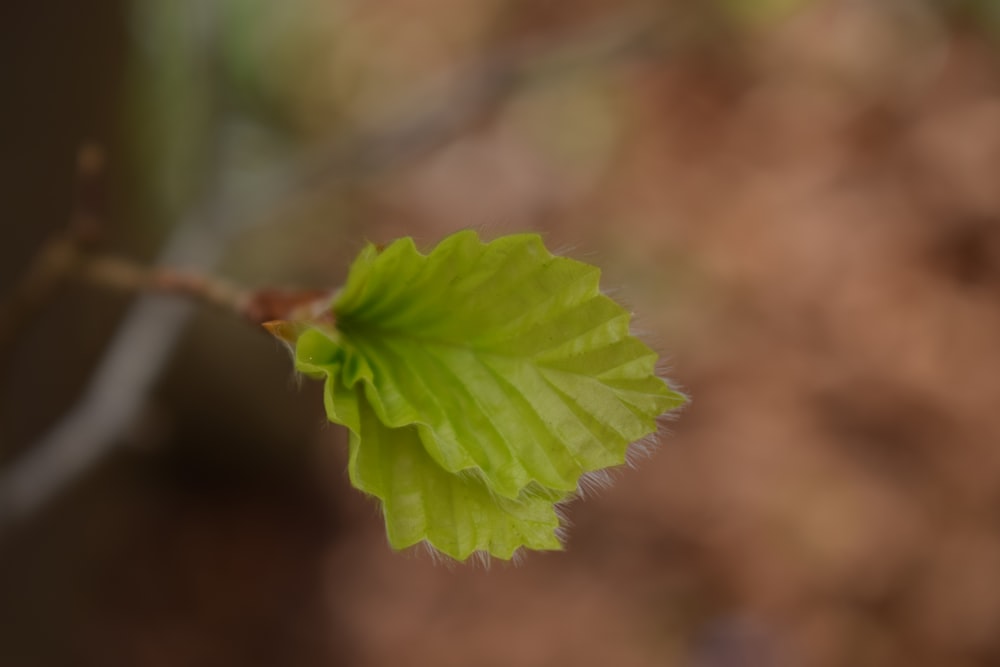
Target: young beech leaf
x=480 y=382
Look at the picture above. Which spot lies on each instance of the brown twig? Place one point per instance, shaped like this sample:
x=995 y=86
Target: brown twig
x=257 y=306
x=127 y=276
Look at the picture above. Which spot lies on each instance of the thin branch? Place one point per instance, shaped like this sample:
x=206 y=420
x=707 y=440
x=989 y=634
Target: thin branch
x=65 y=258
x=257 y=306
x=123 y=275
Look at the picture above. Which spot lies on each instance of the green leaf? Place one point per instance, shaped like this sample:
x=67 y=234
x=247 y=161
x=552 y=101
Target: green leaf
x=496 y=373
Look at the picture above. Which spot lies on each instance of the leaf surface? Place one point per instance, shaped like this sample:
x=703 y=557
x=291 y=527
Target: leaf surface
x=456 y=513
x=480 y=382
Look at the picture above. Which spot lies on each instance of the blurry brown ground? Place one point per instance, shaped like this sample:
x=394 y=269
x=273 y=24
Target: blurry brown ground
x=805 y=214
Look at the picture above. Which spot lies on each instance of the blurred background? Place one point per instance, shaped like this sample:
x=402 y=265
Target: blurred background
x=799 y=198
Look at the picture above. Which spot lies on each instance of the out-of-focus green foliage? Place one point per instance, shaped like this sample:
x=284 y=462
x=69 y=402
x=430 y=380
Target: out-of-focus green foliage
x=761 y=11
x=175 y=98
x=982 y=14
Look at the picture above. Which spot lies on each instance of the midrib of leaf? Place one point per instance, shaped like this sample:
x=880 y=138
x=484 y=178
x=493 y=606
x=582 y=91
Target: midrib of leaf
x=359 y=331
